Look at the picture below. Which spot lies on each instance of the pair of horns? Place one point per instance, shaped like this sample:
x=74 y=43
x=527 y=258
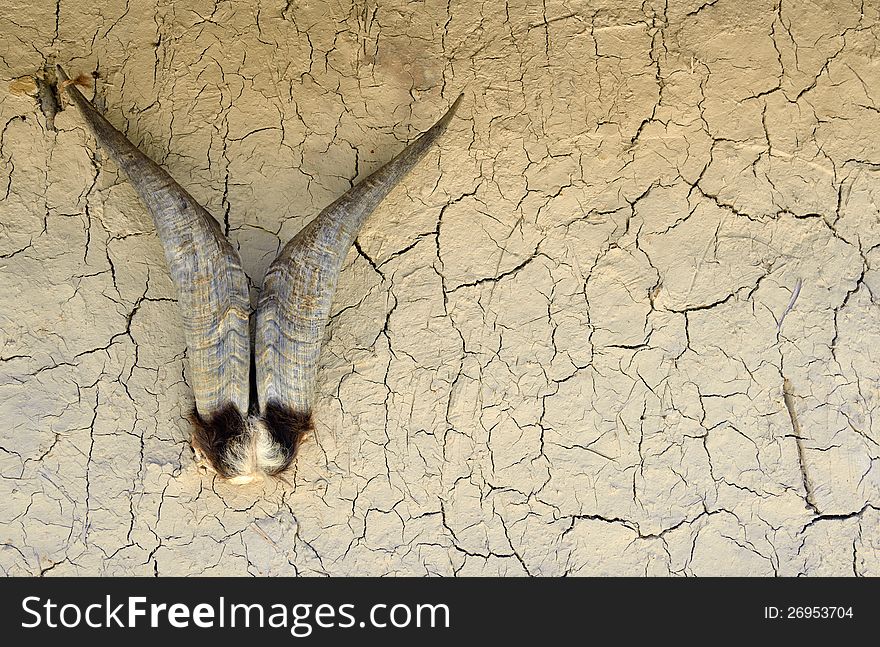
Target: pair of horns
x=291 y=314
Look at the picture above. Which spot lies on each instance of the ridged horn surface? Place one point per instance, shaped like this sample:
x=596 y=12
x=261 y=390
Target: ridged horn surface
x=205 y=268
x=298 y=290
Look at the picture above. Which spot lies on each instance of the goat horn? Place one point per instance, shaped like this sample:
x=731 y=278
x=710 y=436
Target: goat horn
x=213 y=297
x=206 y=270
x=298 y=290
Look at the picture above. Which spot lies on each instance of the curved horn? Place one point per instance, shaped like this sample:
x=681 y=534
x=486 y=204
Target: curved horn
x=298 y=290
x=206 y=270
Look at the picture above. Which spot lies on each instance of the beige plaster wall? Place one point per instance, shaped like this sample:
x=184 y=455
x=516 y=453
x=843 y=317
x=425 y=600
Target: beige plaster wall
x=556 y=348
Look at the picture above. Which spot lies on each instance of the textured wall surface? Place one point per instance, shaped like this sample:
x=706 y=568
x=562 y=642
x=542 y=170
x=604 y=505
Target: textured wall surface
x=555 y=350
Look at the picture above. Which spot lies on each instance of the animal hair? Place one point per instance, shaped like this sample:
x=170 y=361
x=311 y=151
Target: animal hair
x=287 y=428
x=243 y=448
x=81 y=80
x=212 y=435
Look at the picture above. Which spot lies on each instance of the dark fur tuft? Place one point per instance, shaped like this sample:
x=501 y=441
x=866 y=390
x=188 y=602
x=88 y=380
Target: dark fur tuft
x=288 y=428
x=212 y=435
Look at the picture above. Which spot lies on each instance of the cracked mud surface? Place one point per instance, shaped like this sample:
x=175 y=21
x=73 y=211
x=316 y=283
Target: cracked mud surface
x=556 y=349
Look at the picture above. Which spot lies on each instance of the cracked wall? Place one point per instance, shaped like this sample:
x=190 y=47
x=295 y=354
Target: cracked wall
x=556 y=349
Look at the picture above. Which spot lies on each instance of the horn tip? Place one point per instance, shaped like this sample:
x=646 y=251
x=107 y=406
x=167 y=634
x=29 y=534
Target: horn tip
x=453 y=107
x=62 y=75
